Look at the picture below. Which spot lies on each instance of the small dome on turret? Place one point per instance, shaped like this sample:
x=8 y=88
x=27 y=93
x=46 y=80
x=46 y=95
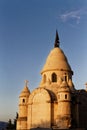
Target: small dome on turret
x=25 y=91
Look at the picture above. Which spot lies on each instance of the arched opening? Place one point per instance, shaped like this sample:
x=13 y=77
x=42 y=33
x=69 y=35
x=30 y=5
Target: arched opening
x=65 y=77
x=65 y=96
x=40 y=109
x=23 y=100
x=54 y=77
x=44 y=78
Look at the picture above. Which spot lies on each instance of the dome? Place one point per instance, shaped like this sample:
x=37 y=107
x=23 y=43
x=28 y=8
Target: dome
x=25 y=92
x=56 y=60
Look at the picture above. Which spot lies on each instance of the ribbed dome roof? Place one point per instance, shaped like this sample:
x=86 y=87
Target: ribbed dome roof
x=25 y=92
x=56 y=60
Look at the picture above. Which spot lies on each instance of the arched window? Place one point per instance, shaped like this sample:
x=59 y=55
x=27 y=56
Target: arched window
x=54 y=77
x=23 y=100
x=65 y=77
x=44 y=78
x=65 y=96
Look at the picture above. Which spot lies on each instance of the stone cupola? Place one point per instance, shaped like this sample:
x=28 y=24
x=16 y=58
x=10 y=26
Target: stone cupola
x=56 y=65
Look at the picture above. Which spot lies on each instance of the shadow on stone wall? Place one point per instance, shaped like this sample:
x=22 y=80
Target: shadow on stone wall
x=57 y=129
x=41 y=128
x=43 y=125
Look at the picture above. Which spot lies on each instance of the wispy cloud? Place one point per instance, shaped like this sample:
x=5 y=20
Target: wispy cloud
x=75 y=15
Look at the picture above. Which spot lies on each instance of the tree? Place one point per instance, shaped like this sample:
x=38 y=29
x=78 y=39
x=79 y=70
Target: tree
x=11 y=126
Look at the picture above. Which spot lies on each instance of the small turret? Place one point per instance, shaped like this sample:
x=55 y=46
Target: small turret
x=23 y=105
x=64 y=106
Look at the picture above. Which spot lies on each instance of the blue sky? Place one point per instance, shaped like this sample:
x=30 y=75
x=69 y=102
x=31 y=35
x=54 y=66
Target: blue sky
x=27 y=33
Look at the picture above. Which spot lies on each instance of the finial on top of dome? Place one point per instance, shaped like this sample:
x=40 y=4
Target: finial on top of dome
x=26 y=83
x=56 y=44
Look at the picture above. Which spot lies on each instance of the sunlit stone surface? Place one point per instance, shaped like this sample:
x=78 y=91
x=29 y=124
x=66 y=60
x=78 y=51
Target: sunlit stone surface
x=55 y=104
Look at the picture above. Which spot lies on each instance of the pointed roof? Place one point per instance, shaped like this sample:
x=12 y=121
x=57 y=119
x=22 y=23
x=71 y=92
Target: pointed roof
x=25 y=91
x=56 y=59
x=56 y=44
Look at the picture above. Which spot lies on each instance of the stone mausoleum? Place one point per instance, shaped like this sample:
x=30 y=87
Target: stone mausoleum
x=55 y=104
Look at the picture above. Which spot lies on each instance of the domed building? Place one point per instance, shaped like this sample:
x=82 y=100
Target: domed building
x=55 y=104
